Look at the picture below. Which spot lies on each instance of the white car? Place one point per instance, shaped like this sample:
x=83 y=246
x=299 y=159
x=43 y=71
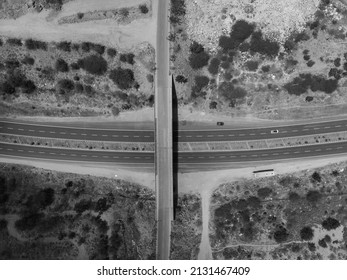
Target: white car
x=274 y=131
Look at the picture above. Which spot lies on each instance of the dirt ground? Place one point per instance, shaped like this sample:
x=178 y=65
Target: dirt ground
x=35 y=25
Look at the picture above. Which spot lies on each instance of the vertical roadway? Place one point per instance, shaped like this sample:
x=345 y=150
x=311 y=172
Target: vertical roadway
x=163 y=135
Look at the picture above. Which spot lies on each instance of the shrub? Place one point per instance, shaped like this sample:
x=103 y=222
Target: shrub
x=143 y=9
x=1 y=42
x=265 y=68
x=244 y=47
x=28 y=86
x=263 y=46
x=35 y=45
x=310 y=63
x=121 y=96
x=230 y=92
x=337 y=62
x=7 y=88
x=124 y=12
x=100 y=49
x=226 y=43
x=336 y=73
x=330 y=223
x=83 y=205
x=241 y=30
x=111 y=52
x=225 y=64
x=12 y=63
x=3 y=224
x=64 y=46
x=85 y=46
x=264 y=192
x=294 y=197
x=251 y=65
x=75 y=66
x=322 y=243
x=66 y=85
x=200 y=83
x=313 y=196
x=124 y=78
x=78 y=87
x=14 y=42
x=93 y=64
x=75 y=47
x=150 y=78
x=214 y=66
x=316 y=177
x=213 y=105
x=181 y=79
x=178 y=9
x=281 y=235
x=115 y=111
x=128 y=58
x=61 y=65
x=196 y=48
x=306 y=233
x=199 y=60
x=29 y=221
x=28 y=60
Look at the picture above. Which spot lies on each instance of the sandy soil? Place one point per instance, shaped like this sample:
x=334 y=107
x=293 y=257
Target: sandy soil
x=33 y=25
x=144 y=178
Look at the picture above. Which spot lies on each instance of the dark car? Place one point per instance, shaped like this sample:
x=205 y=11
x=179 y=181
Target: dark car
x=220 y=123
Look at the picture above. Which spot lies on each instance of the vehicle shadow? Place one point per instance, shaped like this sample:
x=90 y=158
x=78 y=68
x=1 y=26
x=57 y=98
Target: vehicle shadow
x=175 y=123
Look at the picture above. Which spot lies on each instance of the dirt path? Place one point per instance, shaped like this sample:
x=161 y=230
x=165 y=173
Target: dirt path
x=205 y=252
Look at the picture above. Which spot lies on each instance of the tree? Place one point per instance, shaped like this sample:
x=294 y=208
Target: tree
x=28 y=86
x=83 y=205
x=115 y=111
x=93 y=64
x=330 y=223
x=316 y=177
x=35 y=45
x=264 y=192
x=241 y=30
x=61 y=65
x=263 y=46
x=14 y=42
x=181 y=79
x=200 y=83
x=294 y=197
x=251 y=65
x=214 y=66
x=198 y=57
x=124 y=78
x=128 y=58
x=64 y=46
x=65 y=85
x=306 y=233
x=28 y=60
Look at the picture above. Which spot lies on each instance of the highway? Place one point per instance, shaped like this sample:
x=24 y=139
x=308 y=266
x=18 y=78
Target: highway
x=146 y=135
x=184 y=158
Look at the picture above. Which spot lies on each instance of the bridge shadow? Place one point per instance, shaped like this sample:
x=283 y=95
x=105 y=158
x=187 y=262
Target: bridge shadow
x=175 y=123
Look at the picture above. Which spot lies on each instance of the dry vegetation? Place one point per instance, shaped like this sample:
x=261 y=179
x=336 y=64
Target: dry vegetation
x=297 y=216
x=244 y=61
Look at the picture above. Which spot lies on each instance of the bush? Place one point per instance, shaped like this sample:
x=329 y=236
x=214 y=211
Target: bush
x=78 y=87
x=75 y=66
x=226 y=43
x=93 y=64
x=200 y=83
x=128 y=58
x=337 y=62
x=7 y=88
x=100 y=49
x=263 y=46
x=264 y=192
x=294 y=197
x=35 y=45
x=241 y=30
x=123 y=78
x=111 y=52
x=230 y=92
x=64 y=46
x=214 y=66
x=196 y=48
x=181 y=79
x=14 y=42
x=143 y=9
x=124 y=12
x=281 y=235
x=252 y=65
x=301 y=84
x=66 y=85
x=28 y=86
x=330 y=223
x=306 y=233
x=85 y=46
x=121 y=96
x=3 y=224
x=199 y=60
x=75 y=47
x=1 y=42
x=316 y=177
x=150 y=78
x=244 y=47
x=28 y=60
x=83 y=205
x=115 y=111
x=61 y=65
x=178 y=9
x=29 y=221
x=313 y=196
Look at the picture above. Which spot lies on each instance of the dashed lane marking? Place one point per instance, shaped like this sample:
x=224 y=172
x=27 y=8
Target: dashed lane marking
x=20 y=129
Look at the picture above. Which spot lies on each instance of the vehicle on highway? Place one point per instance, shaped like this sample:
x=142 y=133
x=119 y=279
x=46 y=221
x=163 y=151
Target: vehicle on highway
x=220 y=123
x=274 y=131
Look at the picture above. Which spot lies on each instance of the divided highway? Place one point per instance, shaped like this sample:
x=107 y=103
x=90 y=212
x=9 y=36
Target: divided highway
x=124 y=135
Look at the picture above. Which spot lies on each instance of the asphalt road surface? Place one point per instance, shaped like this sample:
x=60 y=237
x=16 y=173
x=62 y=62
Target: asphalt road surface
x=130 y=135
x=184 y=158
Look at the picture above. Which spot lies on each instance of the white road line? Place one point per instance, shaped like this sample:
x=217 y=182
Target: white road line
x=52 y=153
x=63 y=154
x=318 y=150
x=19 y=150
x=31 y=130
x=326 y=126
x=62 y=133
x=338 y=148
x=83 y=134
x=252 y=134
x=10 y=128
x=315 y=128
x=52 y=132
x=296 y=152
x=0 y=148
x=73 y=133
x=41 y=152
x=114 y=135
x=328 y=149
x=94 y=135
x=94 y=156
x=83 y=155
x=21 y=129
x=127 y=136
x=337 y=125
x=307 y=151
x=115 y=157
x=188 y=136
x=9 y=149
x=295 y=130
x=105 y=156
x=31 y=151
x=104 y=135
x=262 y=133
x=42 y=131
x=286 y=153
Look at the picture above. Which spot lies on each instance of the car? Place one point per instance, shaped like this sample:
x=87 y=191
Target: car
x=220 y=123
x=274 y=131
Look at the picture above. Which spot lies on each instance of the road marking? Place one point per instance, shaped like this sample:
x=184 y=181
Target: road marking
x=126 y=157
x=213 y=135
x=42 y=131
x=63 y=154
x=94 y=156
x=295 y=130
x=115 y=157
x=52 y=132
x=20 y=151
x=337 y=125
x=315 y=128
x=326 y=126
x=105 y=156
x=262 y=133
x=296 y=152
x=31 y=151
x=73 y=133
x=83 y=134
x=127 y=136
x=252 y=134
x=83 y=155
x=31 y=130
x=198 y=135
x=221 y=156
x=338 y=148
x=307 y=151
x=21 y=129
x=52 y=153
x=41 y=152
x=188 y=136
x=94 y=135
x=138 y=157
x=318 y=150
x=286 y=153
x=114 y=135
x=9 y=149
x=104 y=135
x=328 y=149
x=62 y=133
x=210 y=157
x=10 y=128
